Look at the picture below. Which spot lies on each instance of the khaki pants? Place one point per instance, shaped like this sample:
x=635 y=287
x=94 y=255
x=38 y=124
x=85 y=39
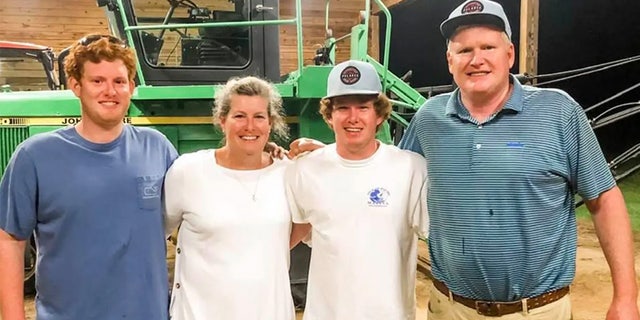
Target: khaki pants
x=441 y=308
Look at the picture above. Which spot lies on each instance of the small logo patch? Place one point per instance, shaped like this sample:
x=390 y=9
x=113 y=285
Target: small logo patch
x=472 y=7
x=350 y=75
x=515 y=144
x=378 y=197
x=150 y=192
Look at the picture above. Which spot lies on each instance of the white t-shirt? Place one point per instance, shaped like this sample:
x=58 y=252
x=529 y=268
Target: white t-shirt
x=232 y=256
x=366 y=216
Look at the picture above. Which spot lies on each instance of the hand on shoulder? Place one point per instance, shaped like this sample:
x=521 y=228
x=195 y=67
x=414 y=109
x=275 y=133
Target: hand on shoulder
x=302 y=146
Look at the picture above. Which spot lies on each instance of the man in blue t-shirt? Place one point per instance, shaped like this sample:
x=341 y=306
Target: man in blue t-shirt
x=92 y=194
x=505 y=162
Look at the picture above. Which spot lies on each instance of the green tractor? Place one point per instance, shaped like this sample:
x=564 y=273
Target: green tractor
x=185 y=49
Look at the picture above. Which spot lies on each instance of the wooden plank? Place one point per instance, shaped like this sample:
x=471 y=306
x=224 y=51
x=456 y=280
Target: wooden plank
x=39 y=4
x=50 y=12
x=22 y=73
x=58 y=24
x=374 y=39
x=11 y=64
x=529 y=12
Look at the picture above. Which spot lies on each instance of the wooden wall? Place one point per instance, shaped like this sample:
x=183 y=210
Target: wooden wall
x=58 y=23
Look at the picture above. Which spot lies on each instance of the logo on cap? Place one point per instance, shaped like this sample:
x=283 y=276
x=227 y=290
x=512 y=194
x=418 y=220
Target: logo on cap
x=473 y=6
x=350 y=75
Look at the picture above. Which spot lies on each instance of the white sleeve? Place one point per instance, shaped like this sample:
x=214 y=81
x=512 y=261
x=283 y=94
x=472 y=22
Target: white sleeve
x=294 y=194
x=173 y=195
x=419 y=184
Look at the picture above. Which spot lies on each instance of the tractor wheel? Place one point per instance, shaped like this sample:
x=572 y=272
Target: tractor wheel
x=30 y=256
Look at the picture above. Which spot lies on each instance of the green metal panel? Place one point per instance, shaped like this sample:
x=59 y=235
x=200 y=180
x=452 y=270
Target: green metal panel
x=312 y=82
x=10 y=138
x=171 y=132
x=197 y=137
x=39 y=103
x=311 y=124
x=199 y=133
x=190 y=138
x=384 y=133
x=174 y=92
x=359 y=44
x=191 y=92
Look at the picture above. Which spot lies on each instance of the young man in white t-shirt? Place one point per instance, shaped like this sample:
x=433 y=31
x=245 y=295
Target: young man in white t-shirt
x=365 y=203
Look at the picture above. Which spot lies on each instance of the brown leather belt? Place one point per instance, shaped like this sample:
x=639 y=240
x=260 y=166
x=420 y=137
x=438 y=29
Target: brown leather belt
x=497 y=309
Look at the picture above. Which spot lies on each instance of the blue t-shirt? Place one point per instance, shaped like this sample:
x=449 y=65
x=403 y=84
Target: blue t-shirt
x=97 y=214
x=501 y=192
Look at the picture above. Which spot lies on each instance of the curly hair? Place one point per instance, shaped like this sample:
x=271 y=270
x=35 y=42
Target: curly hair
x=96 y=48
x=252 y=86
x=381 y=105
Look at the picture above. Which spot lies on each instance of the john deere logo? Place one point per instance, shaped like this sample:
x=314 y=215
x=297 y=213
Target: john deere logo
x=472 y=7
x=350 y=75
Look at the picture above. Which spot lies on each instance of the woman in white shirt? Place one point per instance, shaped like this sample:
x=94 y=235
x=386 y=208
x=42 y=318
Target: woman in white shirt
x=232 y=256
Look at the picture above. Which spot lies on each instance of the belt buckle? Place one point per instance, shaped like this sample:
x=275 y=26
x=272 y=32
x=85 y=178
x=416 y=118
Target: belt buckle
x=488 y=308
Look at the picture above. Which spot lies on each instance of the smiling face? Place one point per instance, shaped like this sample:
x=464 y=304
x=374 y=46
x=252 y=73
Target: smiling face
x=104 y=91
x=479 y=58
x=247 y=125
x=355 y=123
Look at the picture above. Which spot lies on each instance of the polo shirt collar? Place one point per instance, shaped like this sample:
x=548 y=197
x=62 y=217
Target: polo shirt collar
x=454 y=104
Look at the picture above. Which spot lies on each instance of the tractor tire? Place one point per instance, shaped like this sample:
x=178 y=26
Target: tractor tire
x=30 y=256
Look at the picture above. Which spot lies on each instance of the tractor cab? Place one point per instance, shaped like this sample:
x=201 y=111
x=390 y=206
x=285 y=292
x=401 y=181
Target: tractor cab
x=209 y=41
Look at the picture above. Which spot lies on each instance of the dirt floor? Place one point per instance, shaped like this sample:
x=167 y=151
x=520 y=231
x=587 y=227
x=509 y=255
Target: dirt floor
x=590 y=293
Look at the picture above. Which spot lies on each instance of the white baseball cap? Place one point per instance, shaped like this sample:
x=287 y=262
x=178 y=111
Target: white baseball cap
x=353 y=77
x=476 y=12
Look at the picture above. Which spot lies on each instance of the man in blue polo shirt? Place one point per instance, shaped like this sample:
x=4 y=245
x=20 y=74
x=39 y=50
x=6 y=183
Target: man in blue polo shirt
x=92 y=193
x=505 y=162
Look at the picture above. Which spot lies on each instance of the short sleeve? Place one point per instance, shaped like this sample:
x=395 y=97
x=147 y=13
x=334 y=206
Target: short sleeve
x=173 y=197
x=172 y=154
x=294 y=194
x=419 y=214
x=590 y=174
x=18 y=195
x=410 y=140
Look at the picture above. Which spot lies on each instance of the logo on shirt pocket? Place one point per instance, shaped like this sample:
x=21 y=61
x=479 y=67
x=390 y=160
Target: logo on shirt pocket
x=149 y=191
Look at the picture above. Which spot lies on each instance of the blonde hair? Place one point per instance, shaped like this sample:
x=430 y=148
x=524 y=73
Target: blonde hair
x=252 y=86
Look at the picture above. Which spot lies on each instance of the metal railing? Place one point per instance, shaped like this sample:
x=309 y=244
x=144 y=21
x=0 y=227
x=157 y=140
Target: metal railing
x=297 y=21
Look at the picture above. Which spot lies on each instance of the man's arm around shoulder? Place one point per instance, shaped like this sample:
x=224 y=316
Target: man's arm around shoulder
x=11 y=277
x=613 y=228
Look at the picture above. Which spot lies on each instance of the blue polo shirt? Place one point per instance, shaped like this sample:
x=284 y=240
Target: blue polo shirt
x=501 y=192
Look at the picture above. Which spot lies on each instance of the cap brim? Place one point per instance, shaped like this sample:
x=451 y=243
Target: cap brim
x=352 y=92
x=448 y=27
